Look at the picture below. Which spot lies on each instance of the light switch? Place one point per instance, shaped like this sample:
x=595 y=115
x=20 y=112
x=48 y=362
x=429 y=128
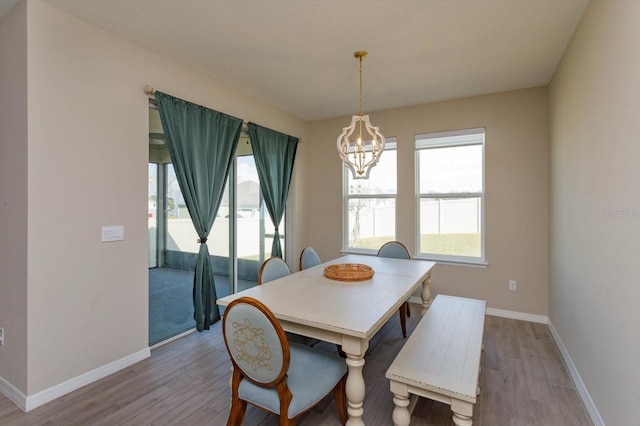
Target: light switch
x=112 y=233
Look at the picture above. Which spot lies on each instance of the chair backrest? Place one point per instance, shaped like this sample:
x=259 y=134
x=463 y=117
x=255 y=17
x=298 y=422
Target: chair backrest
x=308 y=258
x=256 y=342
x=272 y=269
x=394 y=249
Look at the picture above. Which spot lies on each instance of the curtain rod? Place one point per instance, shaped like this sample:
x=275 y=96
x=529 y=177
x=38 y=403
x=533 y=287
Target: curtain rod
x=151 y=92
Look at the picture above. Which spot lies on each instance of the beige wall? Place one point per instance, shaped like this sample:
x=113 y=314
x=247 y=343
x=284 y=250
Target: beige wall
x=87 y=167
x=595 y=206
x=516 y=183
x=13 y=196
x=77 y=304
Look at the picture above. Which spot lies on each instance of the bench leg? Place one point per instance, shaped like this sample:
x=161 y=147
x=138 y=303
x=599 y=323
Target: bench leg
x=460 y=420
x=462 y=412
x=401 y=415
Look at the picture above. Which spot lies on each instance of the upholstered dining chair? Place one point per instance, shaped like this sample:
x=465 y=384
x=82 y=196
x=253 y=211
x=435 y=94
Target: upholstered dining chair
x=272 y=269
x=308 y=258
x=397 y=250
x=268 y=372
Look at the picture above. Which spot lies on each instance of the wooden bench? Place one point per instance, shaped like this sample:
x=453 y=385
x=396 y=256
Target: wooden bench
x=441 y=360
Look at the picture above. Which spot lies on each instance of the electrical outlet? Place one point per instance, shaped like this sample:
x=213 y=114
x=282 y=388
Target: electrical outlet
x=1 y=336
x=513 y=285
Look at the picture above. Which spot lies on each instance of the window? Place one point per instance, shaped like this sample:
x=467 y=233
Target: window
x=450 y=193
x=370 y=204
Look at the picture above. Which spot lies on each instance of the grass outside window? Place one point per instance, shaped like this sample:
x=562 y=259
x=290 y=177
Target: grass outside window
x=442 y=244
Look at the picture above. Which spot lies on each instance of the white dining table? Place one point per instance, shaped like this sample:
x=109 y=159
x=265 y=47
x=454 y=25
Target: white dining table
x=344 y=312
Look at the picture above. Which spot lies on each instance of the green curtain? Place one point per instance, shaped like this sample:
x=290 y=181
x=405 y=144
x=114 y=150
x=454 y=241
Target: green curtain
x=202 y=143
x=274 y=153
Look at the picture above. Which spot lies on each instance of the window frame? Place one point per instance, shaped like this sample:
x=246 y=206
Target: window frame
x=458 y=138
x=390 y=144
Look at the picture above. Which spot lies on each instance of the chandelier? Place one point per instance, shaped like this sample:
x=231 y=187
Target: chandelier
x=360 y=154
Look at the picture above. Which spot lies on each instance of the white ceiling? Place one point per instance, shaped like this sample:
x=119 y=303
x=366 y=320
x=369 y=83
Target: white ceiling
x=298 y=55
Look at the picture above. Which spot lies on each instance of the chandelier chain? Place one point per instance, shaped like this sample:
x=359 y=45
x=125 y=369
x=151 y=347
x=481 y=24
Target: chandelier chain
x=360 y=57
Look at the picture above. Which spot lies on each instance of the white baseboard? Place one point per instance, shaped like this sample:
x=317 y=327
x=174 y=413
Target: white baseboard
x=543 y=319
x=11 y=392
x=577 y=380
x=27 y=403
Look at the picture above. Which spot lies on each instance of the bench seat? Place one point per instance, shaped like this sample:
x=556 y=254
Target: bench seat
x=441 y=360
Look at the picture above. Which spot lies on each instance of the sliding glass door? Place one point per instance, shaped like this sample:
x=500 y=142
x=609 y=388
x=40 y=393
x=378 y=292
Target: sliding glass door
x=239 y=241
x=153 y=215
x=254 y=230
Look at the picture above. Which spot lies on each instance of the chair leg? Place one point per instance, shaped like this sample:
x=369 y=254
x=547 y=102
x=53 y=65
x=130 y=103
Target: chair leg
x=408 y=309
x=341 y=352
x=236 y=414
x=340 y=396
x=285 y=397
x=286 y=422
x=403 y=319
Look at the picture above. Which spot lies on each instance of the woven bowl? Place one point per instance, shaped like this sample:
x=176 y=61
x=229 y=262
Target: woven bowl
x=349 y=272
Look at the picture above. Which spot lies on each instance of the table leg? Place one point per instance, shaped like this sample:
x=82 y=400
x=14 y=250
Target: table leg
x=426 y=294
x=355 y=389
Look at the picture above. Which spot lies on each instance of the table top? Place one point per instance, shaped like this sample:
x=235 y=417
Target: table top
x=353 y=308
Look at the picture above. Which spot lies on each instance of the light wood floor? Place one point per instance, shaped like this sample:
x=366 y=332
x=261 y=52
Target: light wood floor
x=523 y=382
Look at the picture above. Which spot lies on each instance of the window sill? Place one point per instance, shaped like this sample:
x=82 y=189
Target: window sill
x=362 y=252
x=454 y=262
x=451 y=262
